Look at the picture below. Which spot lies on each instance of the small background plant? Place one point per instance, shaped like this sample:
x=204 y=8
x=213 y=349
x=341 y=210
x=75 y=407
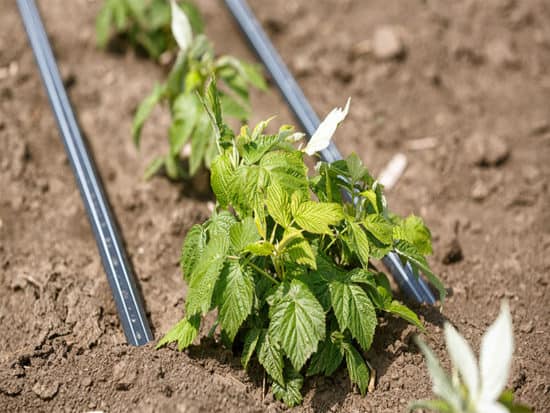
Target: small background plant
x=286 y=260
x=195 y=64
x=144 y=24
x=473 y=388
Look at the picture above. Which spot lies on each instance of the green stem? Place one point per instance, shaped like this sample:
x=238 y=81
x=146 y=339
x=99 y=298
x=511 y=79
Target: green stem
x=263 y=272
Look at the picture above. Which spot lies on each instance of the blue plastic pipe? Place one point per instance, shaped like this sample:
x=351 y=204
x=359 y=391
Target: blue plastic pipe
x=414 y=287
x=121 y=279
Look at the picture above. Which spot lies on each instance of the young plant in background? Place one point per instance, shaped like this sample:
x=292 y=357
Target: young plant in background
x=473 y=388
x=286 y=260
x=145 y=24
x=195 y=64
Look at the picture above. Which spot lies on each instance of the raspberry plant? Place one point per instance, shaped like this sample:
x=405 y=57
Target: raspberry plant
x=285 y=258
x=195 y=64
x=144 y=24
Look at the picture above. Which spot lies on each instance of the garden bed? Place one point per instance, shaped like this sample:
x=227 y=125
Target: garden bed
x=470 y=69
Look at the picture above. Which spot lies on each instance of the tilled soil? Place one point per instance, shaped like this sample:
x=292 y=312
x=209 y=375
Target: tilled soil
x=461 y=88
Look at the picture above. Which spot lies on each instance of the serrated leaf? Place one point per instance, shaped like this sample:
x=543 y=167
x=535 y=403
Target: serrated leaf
x=144 y=110
x=326 y=360
x=359 y=373
x=401 y=310
x=287 y=169
x=221 y=175
x=192 y=250
x=243 y=233
x=270 y=357
x=297 y=322
x=419 y=263
x=316 y=217
x=249 y=346
x=236 y=296
x=184 y=332
x=289 y=393
x=360 y=243
x=253 y=150
x=220 y=224
x=247 y=189
x=297 y=250
x=413 y=230
x=278 y=204
x=204 y=277
x=353 y=310
x=381 y=229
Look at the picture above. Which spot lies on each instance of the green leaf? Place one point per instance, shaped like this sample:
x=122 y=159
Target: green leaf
x=278 y=205
x=419 y=263
x=287 y=169
x=221 y=175
x=261 y=248
x=360 y=243
x=359 y=373
x=186 y=110
x=144 y=110
x=440 y=406
x=507 y=399
x=204 y=277
x=372 y=200
x=253 y=74
x=401 y=310
x=184 y=332
x=247 y=189
x=103 y=24
x=297 y=250
x=413 y=230
x=194 y=16
x=250 y=344
x=193 y=248
x=297 y=322
x=315 y=217
x=381 y=229
x=243 y=233
x=356 y=169
x=326 y=360
x=202 y=135
x=220 y=224
x=235 y=300
x=153 y=168
x=270 y=357
x=253 y=150
x=290 y=392
x=353 y=310
x=233 y=108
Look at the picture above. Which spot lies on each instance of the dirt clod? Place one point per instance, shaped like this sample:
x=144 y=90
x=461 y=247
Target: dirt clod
x=387 y=43
x=46 y=390
x=453 y=252
x=486 y=149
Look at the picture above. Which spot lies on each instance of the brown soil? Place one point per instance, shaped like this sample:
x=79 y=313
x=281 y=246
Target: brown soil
x=465 y=68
